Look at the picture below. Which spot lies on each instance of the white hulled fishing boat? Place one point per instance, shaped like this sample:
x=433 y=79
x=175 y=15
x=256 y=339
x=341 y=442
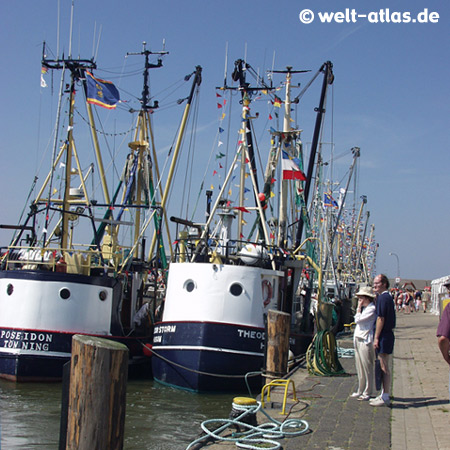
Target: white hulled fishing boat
x=77 y=264
x=221 y=285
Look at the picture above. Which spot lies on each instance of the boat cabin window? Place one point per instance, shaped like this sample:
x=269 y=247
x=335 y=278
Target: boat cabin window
x=64 y=293
x=236 y=289
x=189 y=285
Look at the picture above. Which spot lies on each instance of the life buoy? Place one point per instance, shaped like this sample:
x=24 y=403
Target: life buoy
x=267 y=292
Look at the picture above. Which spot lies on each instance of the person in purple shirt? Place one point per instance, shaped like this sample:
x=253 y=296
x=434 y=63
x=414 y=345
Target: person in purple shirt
x=443 y=335
x=384 y=336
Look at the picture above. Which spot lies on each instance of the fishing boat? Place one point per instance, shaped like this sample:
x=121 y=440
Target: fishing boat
x=78 y=264
x=221 y=285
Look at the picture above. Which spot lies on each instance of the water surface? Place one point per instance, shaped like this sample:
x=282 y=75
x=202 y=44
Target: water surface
x=157 y=417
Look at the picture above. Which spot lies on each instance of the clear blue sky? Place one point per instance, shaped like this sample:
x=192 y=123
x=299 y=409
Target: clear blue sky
x=390 y=96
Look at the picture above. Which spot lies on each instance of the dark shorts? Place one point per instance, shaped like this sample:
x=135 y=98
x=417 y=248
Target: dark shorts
x=386 y=343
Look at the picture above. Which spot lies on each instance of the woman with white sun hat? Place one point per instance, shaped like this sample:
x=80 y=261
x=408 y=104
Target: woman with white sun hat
x=365 y=318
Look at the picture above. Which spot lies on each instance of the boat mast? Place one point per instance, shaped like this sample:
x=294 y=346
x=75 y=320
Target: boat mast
x=246 y=136
x=77 y=68
x=196 y=82
x=282 y=229
x=328 y=78
x=356 y=154
x=366 y=259
x=140 y=149
x=288 y=141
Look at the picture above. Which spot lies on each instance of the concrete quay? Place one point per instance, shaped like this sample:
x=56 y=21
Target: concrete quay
x=419 y=415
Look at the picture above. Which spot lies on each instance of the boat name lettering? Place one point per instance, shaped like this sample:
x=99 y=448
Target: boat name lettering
x=24 y=340
x=166 y=329
x=251 y=334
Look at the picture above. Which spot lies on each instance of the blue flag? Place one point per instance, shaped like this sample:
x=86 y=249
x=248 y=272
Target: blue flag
x=101 y=92
x=329 y=201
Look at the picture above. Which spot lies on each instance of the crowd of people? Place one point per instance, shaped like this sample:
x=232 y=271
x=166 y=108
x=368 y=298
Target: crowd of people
x=409 y=300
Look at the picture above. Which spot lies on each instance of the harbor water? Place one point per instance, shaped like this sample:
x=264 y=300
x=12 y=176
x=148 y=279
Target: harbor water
x=157 y=417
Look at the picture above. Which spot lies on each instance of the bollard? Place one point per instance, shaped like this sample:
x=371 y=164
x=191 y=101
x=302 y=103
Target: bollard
x=97 y=393
x=278 y=329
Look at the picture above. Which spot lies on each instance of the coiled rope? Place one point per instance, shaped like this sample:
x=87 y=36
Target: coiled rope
x=321 y=357
x=255 y=436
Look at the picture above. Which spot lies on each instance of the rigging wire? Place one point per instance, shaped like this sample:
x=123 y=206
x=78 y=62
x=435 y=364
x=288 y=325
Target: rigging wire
x=190 y=156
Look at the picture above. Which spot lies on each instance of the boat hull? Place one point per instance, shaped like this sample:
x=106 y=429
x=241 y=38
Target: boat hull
x=41 y=311
x=208 y=357
x=213 y=329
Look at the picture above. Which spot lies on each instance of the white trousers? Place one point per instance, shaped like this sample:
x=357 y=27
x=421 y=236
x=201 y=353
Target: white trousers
x=365 y=361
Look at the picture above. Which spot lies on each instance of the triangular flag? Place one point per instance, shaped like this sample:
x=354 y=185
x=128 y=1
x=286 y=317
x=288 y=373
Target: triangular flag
x=241 y=208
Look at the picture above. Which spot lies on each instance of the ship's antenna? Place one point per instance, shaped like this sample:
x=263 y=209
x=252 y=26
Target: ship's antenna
x=273 y=62
x=98 y=41
x=93 y=38
x=57 y=29
x=226 y=64
x=71 y=29
x=245 y=56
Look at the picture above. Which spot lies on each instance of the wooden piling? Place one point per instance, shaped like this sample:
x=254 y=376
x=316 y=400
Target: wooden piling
x=97 y=394
x=277 y=353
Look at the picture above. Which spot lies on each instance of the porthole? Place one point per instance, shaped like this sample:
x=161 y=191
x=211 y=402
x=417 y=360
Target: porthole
x=102 y=295
x=236 y=289
x=64 y=293
x=189 y=285
x=9 y=289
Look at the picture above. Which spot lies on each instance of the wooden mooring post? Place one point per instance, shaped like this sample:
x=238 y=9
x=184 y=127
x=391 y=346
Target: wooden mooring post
x=97 y=394
x=277 y=353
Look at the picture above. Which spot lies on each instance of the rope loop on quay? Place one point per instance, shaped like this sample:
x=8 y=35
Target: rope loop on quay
x=254 y=436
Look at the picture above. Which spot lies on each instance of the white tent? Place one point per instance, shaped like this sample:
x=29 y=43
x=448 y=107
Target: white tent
x=438 y=291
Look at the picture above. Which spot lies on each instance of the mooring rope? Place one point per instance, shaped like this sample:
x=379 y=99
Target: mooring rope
x=255 y=436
